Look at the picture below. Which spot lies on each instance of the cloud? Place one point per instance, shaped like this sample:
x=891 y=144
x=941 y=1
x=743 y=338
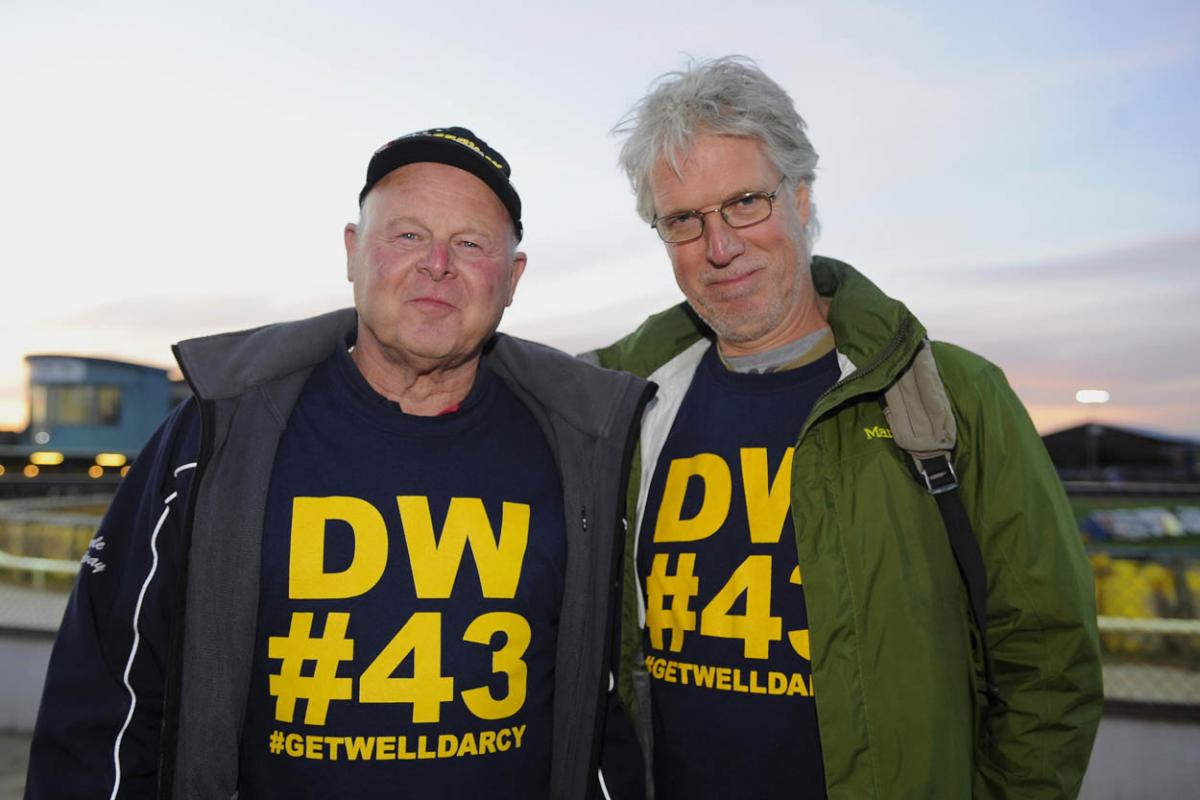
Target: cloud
x=1124 y=320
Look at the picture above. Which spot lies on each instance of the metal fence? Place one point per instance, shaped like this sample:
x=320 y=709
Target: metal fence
x=43 y=538
x=1147 y=600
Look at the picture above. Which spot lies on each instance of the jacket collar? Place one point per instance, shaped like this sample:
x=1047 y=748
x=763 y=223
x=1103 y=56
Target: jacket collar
x=878 y=334
x=229 y=364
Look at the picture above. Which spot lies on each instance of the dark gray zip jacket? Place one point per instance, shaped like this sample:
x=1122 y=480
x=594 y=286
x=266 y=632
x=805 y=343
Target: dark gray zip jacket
x=147 y=687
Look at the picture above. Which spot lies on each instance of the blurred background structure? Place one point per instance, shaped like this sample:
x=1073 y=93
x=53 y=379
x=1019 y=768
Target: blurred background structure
x=1024 y=176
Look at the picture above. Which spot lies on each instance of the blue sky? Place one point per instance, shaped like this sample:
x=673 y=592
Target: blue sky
x=1024 y=176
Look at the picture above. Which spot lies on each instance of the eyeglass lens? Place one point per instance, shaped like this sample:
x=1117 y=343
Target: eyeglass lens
x=738 y=212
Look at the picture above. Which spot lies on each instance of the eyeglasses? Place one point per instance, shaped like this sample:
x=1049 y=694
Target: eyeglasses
x=742 y=211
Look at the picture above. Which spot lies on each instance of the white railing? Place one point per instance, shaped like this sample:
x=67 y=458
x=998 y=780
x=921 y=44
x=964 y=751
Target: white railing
x=38 y=565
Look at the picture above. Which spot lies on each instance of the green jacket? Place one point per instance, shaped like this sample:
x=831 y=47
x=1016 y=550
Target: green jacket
x=898 y=678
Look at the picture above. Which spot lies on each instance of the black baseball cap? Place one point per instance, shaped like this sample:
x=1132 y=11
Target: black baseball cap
x=456 y=147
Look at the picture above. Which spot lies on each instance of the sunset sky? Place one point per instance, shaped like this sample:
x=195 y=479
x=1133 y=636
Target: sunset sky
x=1023 y=175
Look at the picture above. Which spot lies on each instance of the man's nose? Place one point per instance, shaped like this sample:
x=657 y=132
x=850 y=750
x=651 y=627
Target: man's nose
x=437 y=261
x=722 y=244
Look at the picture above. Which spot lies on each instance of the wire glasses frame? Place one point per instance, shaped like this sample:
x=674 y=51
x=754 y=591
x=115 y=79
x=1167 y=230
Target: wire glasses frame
x=741 y=211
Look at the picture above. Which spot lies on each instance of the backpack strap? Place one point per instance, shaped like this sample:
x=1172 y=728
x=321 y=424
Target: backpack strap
x=922 y=423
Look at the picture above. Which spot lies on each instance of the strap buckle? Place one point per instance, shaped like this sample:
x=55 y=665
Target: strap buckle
x=939 y=475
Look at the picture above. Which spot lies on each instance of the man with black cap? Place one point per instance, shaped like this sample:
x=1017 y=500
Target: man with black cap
x=279 y=602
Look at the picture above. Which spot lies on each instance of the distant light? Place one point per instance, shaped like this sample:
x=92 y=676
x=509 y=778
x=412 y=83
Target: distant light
x=111 y=459
x=1 y=469
x=124 y=470
x=95 y=471
x=41 y=437
x=46 y=458
x=31 y=471
x=1091 y=396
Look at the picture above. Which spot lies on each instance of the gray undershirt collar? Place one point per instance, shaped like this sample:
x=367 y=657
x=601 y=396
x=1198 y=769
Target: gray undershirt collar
x=788 y=356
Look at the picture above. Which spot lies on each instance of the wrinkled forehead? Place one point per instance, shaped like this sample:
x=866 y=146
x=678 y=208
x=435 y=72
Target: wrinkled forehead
x=426 y=187
x=713 y=168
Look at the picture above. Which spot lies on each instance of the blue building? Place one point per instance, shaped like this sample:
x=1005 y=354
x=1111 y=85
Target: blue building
x=83 y=405
x=88 y=419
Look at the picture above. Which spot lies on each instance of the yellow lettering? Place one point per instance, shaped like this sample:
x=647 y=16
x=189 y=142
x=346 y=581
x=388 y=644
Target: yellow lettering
x=323 y=686
x=435 y=562
x=427 y=689
x=519 y=734
x=757 y=628
x=402 y=751
x=683 y=673
x=467 y=746
x=360 y=747
x=508 y=659
x=307 y=578
x=312 y=747
x=681 y=587
x=294 y=744
x=385 y=748
x=503 y=739
x=718 y=488
x=423 y=752
x=660 y=668
x=332 y=742
x=727 y=679
x=487 y=742
x=447 y=745
x=766 y=504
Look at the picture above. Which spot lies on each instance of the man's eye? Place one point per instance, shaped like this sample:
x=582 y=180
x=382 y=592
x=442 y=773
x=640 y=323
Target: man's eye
x=748 y=201
x=468 y=243
x=408 y=236
x=680 y=220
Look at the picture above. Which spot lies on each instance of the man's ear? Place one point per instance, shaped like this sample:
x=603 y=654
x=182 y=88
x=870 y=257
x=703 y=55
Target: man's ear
x=802 y=209
x=350 y=238
x=518 y=269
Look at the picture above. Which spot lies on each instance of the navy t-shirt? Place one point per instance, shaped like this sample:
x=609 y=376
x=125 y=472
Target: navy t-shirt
x=412 y=574
x=726 y=637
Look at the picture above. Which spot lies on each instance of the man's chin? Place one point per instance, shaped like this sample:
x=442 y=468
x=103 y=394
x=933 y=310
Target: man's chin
x=736 y=322
x=425 y=349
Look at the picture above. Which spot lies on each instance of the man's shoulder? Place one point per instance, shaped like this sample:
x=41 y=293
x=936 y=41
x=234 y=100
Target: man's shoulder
x=964 y=370
x=980 y=393
x=227 y=364
x=656 y=341
x=581 y=391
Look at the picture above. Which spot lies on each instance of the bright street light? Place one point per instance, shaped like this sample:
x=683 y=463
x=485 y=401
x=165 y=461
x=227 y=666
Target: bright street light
x=1091 y=396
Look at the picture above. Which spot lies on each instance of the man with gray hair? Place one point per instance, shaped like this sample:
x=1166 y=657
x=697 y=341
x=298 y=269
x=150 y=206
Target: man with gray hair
x=807 y=614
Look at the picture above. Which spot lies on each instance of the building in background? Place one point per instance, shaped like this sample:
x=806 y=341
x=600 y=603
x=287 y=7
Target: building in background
x=88 y=419
x=1100 y=452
